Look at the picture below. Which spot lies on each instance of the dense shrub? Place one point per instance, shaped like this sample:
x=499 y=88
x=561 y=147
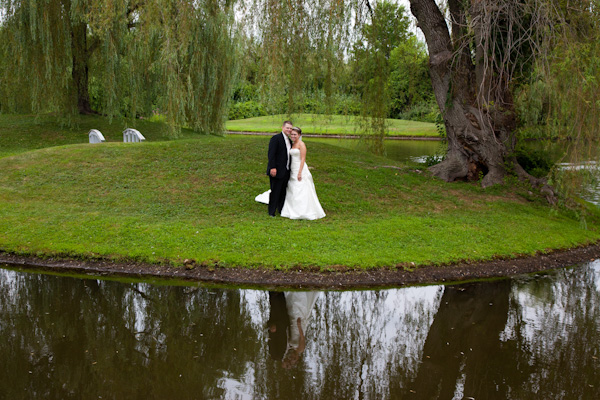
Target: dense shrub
x=537 y=162
x=347 y=105
x=246 y=109
x=424 y=112
x=244 y=92
x=312 y=106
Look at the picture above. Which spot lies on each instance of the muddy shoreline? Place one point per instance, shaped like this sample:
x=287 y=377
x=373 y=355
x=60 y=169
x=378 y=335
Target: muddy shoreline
x=338 y=278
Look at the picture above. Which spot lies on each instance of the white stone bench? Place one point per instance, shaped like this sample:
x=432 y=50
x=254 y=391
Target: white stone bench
x=96 y=136
x=132 y=135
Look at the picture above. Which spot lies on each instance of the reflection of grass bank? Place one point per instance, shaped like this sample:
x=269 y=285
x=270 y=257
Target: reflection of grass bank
x=193 y=198
x=330 y=125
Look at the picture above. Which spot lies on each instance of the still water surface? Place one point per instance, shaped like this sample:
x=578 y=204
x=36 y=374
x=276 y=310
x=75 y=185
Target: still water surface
x=532 y=337
x=399 y=150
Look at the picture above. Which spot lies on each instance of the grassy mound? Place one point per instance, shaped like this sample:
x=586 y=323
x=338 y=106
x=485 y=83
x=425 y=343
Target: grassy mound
x=20 y=133
x=194 y=198
x=330 y=125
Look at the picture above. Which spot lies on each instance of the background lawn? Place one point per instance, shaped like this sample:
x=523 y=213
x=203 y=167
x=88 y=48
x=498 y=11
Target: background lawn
x=330 y=125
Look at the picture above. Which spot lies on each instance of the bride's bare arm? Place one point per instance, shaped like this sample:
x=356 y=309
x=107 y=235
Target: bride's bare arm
x=302 y=159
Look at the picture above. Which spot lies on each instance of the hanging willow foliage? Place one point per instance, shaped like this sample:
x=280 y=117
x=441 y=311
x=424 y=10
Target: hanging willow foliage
x=35 y=71
x=572 y=87
x=386 y=28
x=119 y=58
x=304 y=44
x=561 y=101
x=308 y=45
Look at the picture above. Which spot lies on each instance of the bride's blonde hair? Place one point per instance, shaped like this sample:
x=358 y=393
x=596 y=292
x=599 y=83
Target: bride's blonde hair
x=297 y=130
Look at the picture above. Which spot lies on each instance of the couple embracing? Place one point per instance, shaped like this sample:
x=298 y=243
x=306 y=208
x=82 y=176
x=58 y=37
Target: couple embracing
x=292 y=191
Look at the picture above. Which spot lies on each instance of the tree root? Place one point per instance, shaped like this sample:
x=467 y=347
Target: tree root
x=451 y=168
x=455 y=168
x=538 y=183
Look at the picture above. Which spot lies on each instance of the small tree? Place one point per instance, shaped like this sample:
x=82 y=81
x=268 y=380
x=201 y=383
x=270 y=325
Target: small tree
x=386 y=29
x=409 y=83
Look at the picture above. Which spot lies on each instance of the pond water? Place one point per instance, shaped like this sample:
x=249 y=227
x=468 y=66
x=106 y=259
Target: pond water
x=400 y=150
x=522 y=338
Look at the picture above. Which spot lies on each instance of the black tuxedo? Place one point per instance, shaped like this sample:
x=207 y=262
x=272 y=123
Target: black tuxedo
x=278 y=158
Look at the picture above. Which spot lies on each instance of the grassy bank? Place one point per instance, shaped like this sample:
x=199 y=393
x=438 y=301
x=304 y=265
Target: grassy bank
x=20 y=133
x=330 y=125
x=165 y=201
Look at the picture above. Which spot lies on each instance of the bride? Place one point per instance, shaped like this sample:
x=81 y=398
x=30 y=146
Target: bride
x=301 y=201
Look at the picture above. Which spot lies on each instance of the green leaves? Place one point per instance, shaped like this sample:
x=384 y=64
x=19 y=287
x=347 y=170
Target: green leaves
x=132 y=57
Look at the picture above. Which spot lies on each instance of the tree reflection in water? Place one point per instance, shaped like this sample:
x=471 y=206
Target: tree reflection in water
x=532 y=337
x=554 y=325
x=462 y=353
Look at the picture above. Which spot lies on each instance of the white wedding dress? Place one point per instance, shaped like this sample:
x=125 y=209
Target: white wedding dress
x=299 y=305
x=301 y=201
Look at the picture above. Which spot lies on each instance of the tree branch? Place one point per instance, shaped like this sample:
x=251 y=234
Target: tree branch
x=368 y=4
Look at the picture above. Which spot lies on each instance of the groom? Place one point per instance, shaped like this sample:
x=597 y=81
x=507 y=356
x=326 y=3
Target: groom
x=278 y=167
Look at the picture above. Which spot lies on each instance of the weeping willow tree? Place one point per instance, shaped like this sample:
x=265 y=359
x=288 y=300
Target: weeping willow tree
x=474 y=62
x=480 y=51
x=119 y=58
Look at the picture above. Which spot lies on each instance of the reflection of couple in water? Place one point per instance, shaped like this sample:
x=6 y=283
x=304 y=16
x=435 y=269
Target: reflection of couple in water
x=290 y=314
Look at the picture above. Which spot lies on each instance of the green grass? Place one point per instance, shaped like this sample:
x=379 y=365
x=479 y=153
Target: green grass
x=20 y=133
x=165 y=201
x=330 y=125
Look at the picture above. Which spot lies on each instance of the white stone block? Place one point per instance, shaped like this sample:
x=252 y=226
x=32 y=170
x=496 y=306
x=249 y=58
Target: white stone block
x=96 y=136
x=132 y=135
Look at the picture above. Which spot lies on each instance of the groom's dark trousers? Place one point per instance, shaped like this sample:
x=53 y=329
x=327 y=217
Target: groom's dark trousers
x=278 y=158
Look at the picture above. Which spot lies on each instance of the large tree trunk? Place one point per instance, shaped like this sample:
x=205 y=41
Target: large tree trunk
x=478 y=113
x=79 y=50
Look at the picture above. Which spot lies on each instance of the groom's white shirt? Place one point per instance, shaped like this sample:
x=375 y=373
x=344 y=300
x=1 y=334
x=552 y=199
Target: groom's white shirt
x=288 y=146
